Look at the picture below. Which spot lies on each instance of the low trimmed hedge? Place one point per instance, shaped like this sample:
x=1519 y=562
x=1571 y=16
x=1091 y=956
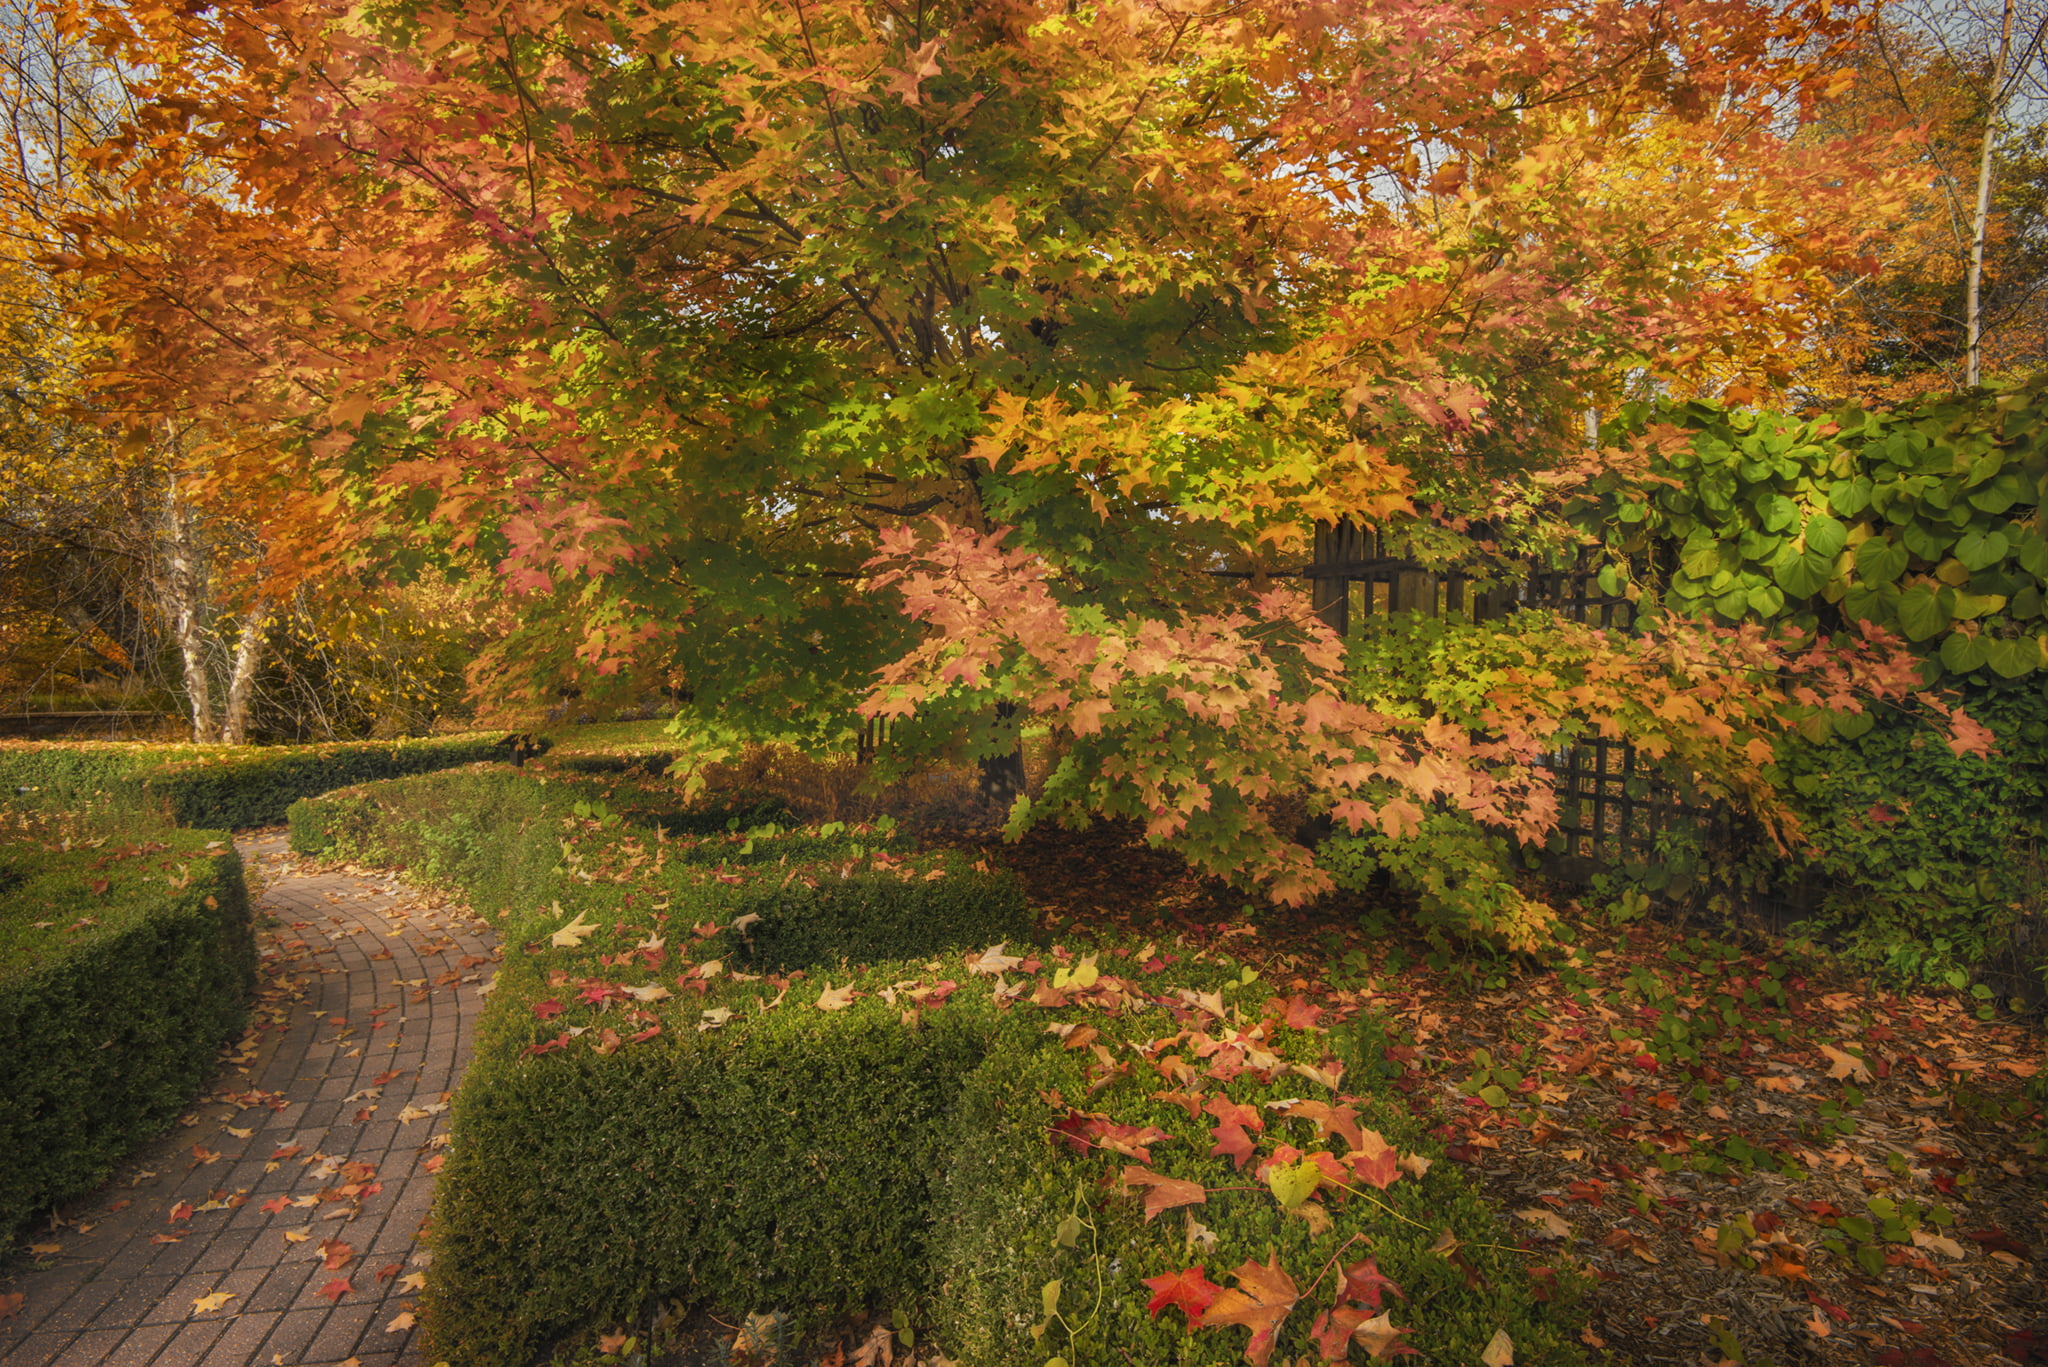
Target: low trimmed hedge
x=216 y=786
x=513 y=843
x=641 y=1120
x=1011 y=1182
x=122 y=969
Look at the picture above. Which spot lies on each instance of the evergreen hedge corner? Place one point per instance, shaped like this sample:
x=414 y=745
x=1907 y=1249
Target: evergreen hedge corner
x=1011 y=1182
x=113 y=1003
x=783 y=1160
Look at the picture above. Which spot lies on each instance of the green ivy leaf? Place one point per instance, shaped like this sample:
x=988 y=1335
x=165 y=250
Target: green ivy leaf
x=1968 y=607
x=1849 y=497
x=2015 y=658
x=1766 y=601
x=1802 y=573
x=1776 y=511
x=1981 y=550
x=2027 y=603
x=1964 y=654
x=1825 y=536
x=1880 y=561
x=1921 y=615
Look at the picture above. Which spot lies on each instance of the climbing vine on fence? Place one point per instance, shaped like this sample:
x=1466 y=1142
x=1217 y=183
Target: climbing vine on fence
x=1925 y=520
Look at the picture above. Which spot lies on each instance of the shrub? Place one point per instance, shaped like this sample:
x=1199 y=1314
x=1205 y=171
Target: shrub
x=122 y=968
x=215 y=786
x=1015 y=1288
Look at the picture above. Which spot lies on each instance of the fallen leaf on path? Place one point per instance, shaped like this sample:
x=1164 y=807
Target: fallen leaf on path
x=336 y=1289
x=203 y=1304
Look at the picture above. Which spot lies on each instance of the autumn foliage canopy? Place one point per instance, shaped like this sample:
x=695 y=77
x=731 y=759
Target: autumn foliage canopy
x=778 y=344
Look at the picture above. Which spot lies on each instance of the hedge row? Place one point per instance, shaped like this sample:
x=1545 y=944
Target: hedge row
x=868 y=1132
x=216 y=786
x=122 y=968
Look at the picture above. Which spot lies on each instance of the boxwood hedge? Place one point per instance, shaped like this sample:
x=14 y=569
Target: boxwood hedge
x=645 y=1116
x=216 y=786
x=122 y=969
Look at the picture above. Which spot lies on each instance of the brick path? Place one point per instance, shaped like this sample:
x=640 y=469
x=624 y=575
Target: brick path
x=323 y=1127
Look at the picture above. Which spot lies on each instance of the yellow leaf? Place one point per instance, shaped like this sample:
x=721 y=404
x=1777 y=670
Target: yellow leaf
x=835 y=998
x=202 y=1304
x=572 y=935
x=1552 y=1225
x=400 y=1322
x=1499 y=1350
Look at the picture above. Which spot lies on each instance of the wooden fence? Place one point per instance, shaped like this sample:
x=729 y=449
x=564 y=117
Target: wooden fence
x=1612 y=807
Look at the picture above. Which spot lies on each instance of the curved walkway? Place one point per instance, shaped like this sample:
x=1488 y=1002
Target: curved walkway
x=278 y=1222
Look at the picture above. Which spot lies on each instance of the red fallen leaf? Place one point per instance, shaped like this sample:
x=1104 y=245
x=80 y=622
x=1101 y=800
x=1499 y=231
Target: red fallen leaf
x=1231 y=1139
x=1377 y=1167
x=1333 y=1329
x=2021 y=1345
x=1262 y=1299
x=1997 y=1240
x=358 y=1171
x=1363 y=1282
x=1235 y=1113
x=275 y=1204
x=99 y=887
x=288 y=1151
x=1132 y=1141
x=383 y=1078
x=1462 y=1153
x=1189 y=1290
x=1819 y=1210
x=1162 y=1192
x=643 y=1036
x=389 y=1270
x=363 y=1115
x=548 y=1046
x=434 y=1164
x=336 y=1289
x=1300 y=1014
x=547 y=1010
x=1187 y=1101
x=165 y=1239
x=11 y=1303
x=1341 y=1121
x=182 y=1211
x=337 y=1020
x=338 y=1254
x=1838 y=1313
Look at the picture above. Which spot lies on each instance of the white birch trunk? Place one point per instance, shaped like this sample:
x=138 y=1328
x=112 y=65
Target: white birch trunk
x=234 y=728
x=1994 y=109
x=183 y=589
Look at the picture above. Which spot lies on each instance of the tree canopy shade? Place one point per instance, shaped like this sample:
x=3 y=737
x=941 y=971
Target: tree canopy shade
x=674 y=312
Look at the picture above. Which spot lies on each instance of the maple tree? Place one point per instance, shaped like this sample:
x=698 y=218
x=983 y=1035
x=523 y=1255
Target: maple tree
x=675 y=315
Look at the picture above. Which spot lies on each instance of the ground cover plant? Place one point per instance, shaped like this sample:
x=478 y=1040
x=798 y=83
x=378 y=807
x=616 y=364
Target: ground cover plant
x=645 y=1116
x=125 y=962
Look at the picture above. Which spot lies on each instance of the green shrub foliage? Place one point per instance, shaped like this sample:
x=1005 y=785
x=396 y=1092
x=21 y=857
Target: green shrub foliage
x=122 y=969
x=670 y=1096
x=216 y=786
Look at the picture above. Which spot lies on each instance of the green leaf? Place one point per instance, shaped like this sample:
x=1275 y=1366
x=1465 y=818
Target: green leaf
x=1825 y=536
x=1929 y=543
x=1921 y=615
x=1985 y=467
x=2015 y=658
x=1850 y=725
x=1981 y=550
x=1701 y=556
x=1964 y=654
x=1733 y=604
x=2027 y=603
x=1766 y=601
x=1879 y=561
x=1849 y=497
x=1493 y=1096
x=1969 y=607
x=1776 y=511
x=1801 y=574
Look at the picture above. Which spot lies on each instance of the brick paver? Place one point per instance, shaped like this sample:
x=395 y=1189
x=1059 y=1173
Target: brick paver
x=322 y=1130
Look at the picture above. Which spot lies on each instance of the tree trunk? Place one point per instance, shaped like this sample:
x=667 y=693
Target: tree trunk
x=183 y=589
x=1994 y=107
x=234 y=729
x=1002 y=775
